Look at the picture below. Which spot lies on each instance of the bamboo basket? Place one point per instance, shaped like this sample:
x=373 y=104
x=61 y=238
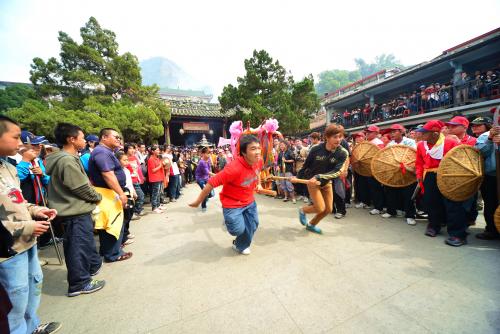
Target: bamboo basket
x=362 y=155
x=460 y=173
x=394 y=166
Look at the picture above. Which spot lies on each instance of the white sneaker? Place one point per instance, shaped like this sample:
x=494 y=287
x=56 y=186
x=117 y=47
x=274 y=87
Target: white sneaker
x=360 y=205
x=338 y=215
x=386 y=215
x=374 y=212
x=400 y=213
x=411 y=221
x=300 y=198
x=246 y=251
x=306 y=200
x=158 y=210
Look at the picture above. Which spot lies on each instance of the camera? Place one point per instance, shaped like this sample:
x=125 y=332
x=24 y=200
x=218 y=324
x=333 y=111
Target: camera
x=130 y=200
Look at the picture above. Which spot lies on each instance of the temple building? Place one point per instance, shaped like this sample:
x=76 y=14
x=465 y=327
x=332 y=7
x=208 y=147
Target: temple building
x=193 y=115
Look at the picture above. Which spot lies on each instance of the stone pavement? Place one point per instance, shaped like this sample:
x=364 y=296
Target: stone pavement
x=365 y=274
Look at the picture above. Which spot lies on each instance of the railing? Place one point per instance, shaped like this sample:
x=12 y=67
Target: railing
x=420 y=103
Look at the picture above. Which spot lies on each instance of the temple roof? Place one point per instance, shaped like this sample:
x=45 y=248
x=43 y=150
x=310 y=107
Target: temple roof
x=197 y=109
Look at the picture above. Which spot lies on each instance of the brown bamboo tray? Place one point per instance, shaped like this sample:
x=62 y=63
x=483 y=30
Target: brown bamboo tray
x=497 y=218
x=460 y=173
x=361 y=158
x=394 y=166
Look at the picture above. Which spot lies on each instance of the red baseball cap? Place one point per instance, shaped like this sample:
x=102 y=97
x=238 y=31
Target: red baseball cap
x=358 y=134
x=373 y=128
x=459 y=120
x=431 y=126
x=397 y=127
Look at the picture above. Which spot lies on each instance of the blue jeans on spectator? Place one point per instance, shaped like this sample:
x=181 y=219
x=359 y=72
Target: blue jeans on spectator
x=139 y=202
x=202 y=184
x=22 y=278
x=173 y=185
x=110 y=248
x=242 y=223
x=155 y=194
x=80 y=251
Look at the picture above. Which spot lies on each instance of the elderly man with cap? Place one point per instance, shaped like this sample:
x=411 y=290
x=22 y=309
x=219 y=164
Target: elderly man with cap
x=480 y=125
x=430 y=151
x=376 y=191
x=485 y=144
x=400 y=198
x=458 y=126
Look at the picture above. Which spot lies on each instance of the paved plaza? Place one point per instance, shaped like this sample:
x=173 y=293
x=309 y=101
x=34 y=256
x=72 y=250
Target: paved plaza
x=365 y=274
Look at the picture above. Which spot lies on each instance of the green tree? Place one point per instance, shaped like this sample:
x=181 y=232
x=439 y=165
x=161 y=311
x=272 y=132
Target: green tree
x=330 y=81
x=39 y=118
x=92 y=77
x=93 y=67
x=382 y=62
x=15 y=95
x=267 y=90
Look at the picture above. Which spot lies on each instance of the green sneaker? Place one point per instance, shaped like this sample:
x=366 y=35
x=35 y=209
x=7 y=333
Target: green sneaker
x=313 y=228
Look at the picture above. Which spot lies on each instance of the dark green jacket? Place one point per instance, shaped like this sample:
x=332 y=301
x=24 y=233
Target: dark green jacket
x=70 y=192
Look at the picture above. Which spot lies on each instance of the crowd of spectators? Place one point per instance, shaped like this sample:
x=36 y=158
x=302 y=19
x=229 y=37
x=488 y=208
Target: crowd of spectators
x=427 y=98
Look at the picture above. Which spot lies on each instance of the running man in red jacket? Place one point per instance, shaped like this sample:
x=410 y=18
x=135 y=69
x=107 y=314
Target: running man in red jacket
x=239 y=180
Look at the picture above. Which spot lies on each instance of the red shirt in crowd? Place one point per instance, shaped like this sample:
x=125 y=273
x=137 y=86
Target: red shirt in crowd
x=159 y=175
x=468 y=140
x=425 y=161
x=239 y=180
x=135 y=170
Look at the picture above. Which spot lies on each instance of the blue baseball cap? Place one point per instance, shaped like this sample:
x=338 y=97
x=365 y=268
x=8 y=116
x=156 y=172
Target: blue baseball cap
x=93 y=138
x=29 y=138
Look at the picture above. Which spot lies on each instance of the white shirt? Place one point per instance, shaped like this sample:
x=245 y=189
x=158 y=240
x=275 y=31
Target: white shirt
x=128 y=183
x=377 y=141
x=406 y=141
x=175 y=168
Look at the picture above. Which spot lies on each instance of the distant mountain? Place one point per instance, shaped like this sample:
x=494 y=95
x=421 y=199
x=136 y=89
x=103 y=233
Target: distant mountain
x=167 y=74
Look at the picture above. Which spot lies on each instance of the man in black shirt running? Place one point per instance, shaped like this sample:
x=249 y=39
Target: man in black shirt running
x=323 y=164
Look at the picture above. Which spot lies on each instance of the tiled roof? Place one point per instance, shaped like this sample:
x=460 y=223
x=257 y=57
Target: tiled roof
x=197 y=109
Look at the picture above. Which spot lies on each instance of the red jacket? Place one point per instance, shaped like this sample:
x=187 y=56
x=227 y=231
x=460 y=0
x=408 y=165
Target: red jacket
x=468 y=140
x=159 y=175
x=239 y=180
x=425 y=161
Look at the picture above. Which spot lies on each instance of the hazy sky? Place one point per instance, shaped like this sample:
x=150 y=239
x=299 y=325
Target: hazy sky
x=210 y=39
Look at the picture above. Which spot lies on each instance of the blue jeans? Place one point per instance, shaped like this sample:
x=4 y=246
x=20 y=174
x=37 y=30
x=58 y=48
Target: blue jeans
x=242 y=223
x=173 y=187
x=139 y=202
x=80 y=251
x=202 y=184
x=109 y=247
x=22 y=278
x=155 y=194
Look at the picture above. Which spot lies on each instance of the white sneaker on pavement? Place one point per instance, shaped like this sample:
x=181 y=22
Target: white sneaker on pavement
x=374 y=212
x=246 y=251
x=411 y=221
x=386 y=215
x=360 y=205
x=338 y=215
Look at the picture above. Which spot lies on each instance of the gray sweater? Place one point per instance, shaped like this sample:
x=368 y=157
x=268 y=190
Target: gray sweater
x=70 y=192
